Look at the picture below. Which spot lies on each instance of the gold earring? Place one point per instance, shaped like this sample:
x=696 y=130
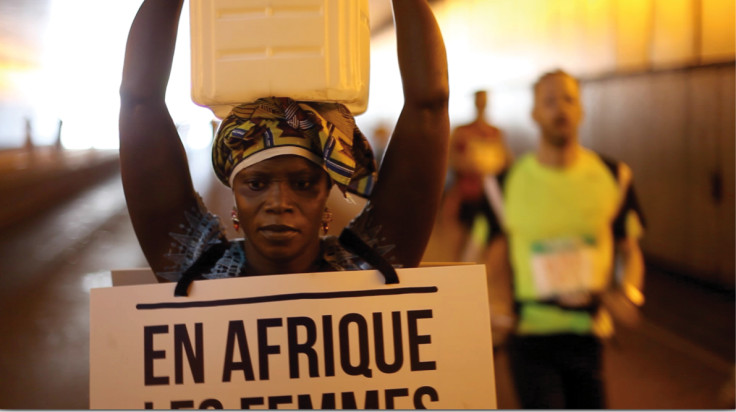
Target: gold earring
x=236 y=221
x=326 y=219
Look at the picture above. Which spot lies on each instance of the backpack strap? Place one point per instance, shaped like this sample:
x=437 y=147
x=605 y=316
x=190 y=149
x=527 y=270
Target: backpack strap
x=203 y=264
x=493 y=189
x=355 y=244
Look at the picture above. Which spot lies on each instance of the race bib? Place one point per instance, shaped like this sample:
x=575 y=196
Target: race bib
x=562 y=266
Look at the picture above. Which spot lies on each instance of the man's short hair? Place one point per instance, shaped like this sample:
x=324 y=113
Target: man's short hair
x=547 y=75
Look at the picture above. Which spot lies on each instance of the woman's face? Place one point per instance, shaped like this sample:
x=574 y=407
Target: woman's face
x=280 y=204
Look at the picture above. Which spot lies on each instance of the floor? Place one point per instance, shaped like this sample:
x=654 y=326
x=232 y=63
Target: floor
x=680 y=357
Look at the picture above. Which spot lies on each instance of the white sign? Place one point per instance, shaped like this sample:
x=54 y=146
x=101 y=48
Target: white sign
x=308 y=341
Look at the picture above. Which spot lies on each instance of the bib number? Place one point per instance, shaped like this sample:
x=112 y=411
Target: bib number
x=562 y=266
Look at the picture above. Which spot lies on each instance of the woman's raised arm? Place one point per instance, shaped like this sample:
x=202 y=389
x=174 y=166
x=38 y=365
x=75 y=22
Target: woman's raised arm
x=407 y=196
x=158 y=186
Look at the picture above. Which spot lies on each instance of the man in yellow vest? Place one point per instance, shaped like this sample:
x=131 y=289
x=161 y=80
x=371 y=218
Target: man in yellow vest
x=566 y=213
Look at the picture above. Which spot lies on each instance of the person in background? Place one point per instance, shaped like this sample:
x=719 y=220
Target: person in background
x=476 y=149
x=564 y=213
x=281 y=158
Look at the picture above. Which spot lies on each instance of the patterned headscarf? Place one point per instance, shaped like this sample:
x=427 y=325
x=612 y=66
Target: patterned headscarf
x=324 y=133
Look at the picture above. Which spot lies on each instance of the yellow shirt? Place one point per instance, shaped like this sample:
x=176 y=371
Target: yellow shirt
x=559 y=225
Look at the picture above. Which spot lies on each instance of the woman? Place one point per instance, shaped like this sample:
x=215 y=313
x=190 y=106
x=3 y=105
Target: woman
x=280 y=195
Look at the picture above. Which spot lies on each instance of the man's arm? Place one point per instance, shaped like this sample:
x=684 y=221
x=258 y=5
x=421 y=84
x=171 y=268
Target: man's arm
x=409 y=188
x=631 y=270
x=629 y=228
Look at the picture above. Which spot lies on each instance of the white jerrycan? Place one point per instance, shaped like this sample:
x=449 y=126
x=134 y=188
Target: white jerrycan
x=313 y=50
